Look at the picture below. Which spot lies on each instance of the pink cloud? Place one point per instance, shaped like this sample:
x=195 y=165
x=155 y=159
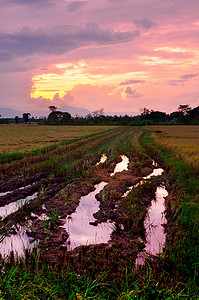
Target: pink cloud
x=159 y=39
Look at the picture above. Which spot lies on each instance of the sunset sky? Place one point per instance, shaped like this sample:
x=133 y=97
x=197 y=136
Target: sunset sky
x=120 y=55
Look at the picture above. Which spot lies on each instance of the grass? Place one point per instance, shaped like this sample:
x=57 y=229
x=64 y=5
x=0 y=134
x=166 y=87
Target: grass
x=183 y=205
x=17 y=138
x=182 y=140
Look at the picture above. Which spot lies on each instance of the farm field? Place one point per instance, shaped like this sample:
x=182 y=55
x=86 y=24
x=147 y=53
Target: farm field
x=27 y=137
x=182 y=140
x=52 y=183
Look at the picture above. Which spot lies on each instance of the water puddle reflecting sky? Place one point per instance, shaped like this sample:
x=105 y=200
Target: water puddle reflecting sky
x=14 y=206
x=155 y=236
x=121 y=166
x=155 y=172
x=78 y=227
x=155 y=218
x=102 y=160
x=83 y=233
x=17 y=242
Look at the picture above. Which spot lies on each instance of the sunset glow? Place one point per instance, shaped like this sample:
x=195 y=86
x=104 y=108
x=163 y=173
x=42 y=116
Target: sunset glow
x=120 y=55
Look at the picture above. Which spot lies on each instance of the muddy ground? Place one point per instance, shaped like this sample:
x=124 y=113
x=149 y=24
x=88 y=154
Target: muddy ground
x=61 y=200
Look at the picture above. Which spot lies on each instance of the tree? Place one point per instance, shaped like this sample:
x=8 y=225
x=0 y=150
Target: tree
x=17 y=119
x=66 y=117
x=55 y=117
x=98 y=112
x=157 y=116
x=26 y=117
x=52 y=108
x=145 y=111
x=175 y=116
x=184 y=109
x=194 y=114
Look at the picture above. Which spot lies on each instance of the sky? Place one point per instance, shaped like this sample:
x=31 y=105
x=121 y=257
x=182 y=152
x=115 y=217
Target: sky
x=120 y=55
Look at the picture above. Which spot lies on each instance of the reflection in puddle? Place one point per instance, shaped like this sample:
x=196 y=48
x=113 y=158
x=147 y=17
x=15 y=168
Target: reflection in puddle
x=78 y=227
x=8 y=192
x=154 y=163
x=155 y=172
x=155 y=236
x=156 y=217
x=17 y=243
x=102 y=160
x=14 y=206
x=42 y=217
x=121 y=166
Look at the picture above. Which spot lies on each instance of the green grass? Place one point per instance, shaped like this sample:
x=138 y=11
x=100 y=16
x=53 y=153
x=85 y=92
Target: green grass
x=183 y=240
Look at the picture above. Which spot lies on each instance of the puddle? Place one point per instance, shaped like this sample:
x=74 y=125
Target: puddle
x=154 y=163
x=155 y=172
x=155 y=218
x=8 y=192
x=17 y=243
x=78 y=227
x=14 y=206
x=102 y=160
x=121 y=166
x=155 y=236
x=42 y=217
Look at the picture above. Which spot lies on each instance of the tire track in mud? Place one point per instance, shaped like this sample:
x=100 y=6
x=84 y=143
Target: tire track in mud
x=51 y=188
x=74 y=150
x=62 y=195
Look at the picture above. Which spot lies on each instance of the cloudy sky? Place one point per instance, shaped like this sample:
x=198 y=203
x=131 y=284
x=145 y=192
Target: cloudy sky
x=120 y=55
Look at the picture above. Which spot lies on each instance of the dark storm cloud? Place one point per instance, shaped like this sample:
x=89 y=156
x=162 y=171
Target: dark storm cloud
x=132 y=93
x=131 y=82
x=58 y=40
x=72 y=6
x=144 y=23
x=184 y=78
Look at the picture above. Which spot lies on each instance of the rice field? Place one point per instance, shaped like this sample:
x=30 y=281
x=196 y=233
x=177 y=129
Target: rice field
x=58 y=176
x=27 y=137
x=182 y=140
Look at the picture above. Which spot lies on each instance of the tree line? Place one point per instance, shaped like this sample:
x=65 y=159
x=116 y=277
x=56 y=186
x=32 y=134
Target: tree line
x=183 y=115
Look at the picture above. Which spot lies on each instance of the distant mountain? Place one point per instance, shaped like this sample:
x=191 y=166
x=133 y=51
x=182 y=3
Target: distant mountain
x=75 y=110
x=11 y=113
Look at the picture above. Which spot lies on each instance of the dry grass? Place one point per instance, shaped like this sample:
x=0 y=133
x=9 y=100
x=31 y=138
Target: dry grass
x=24 y=138
x=183 y=140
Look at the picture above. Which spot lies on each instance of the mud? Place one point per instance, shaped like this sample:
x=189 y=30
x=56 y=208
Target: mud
x=8 y=184
x=61 y=200
x=21 y=193
x=113 y=192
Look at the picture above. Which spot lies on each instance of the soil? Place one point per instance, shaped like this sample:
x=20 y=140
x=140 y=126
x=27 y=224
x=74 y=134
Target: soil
x=62 y=199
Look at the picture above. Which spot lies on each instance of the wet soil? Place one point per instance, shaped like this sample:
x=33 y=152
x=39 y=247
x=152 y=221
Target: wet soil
x=62 y=199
